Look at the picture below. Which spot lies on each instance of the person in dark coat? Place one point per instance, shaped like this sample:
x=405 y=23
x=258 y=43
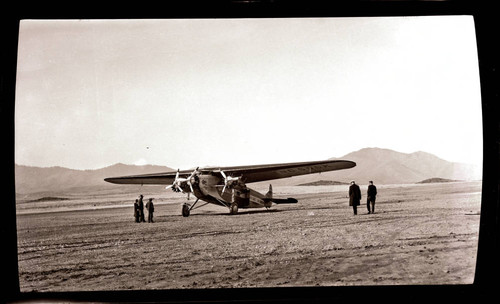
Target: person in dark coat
x=354 y=196
x=141 y=209
x=371 y=196
x=136 y=211
x=151 y=208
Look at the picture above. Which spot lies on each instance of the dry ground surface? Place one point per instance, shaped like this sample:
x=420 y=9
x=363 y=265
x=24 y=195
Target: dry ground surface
x=419 y=234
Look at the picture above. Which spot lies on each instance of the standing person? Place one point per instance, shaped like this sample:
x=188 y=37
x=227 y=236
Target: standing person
x=141 y=209
x=354 y=197
x=136 y=210
x=371 y=196
x=151 y=208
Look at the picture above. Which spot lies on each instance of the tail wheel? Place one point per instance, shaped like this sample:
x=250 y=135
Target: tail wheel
x=185 y=210
x=233 y=209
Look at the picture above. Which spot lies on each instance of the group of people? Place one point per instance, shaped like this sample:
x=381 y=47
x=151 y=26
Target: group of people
x=355 y=197
x=139 y=210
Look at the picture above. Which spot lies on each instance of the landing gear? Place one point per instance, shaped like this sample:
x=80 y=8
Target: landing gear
x=233 y=209
x=186 y=210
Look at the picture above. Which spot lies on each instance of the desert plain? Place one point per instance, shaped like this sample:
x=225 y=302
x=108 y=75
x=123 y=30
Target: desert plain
x=420 y=234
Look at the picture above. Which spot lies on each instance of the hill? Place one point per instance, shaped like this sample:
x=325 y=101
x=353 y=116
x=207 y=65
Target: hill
x=58 y=179
x=324 y=183
x=386 y=166
x=436 y=180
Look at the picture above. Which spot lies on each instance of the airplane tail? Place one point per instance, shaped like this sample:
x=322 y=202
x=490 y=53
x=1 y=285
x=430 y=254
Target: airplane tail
x=269 y=198
x=269 y=193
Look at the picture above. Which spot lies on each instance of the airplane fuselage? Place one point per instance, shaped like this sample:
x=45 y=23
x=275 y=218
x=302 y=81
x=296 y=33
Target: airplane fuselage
x=207 y=187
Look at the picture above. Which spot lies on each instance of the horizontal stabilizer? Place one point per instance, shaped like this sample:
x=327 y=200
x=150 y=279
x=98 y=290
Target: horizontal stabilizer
x=282 y=200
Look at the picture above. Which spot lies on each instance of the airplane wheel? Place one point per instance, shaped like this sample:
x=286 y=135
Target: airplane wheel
x=233 y=209
x=185 y=210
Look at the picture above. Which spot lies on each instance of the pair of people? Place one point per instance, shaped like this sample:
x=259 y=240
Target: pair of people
x=139 y=210
x=355 y=197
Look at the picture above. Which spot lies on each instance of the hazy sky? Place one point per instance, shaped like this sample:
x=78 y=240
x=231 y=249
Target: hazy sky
x=187 y=93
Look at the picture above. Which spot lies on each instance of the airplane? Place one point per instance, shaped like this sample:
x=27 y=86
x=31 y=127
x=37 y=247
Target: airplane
x=226 y=186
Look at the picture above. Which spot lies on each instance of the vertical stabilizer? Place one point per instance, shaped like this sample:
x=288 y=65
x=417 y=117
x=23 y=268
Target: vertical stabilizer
x=269 y=193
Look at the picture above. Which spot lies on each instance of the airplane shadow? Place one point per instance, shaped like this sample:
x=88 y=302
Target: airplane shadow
x=243 y=211
x=240 y=212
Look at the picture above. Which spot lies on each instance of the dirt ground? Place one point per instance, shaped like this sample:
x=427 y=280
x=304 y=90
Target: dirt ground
x=419 y=234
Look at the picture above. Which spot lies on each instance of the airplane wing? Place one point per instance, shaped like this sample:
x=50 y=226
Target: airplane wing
x=165 y=178
x=258 y=173
x=248 y=174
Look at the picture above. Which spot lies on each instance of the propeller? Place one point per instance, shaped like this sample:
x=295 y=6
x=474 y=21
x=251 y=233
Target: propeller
x=189 y=180
x=178 y=181
x=176 y=184
x=228 y=180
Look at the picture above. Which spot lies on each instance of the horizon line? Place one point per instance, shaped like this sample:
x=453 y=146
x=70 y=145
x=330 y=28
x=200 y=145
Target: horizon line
x=153 y=165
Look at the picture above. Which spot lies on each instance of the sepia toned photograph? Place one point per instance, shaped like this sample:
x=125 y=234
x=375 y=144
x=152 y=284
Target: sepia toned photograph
x=188 y=154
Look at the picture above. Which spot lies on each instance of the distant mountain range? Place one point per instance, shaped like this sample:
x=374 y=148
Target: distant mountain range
x=386 y=166
x=383 y=166
x=58 y=179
